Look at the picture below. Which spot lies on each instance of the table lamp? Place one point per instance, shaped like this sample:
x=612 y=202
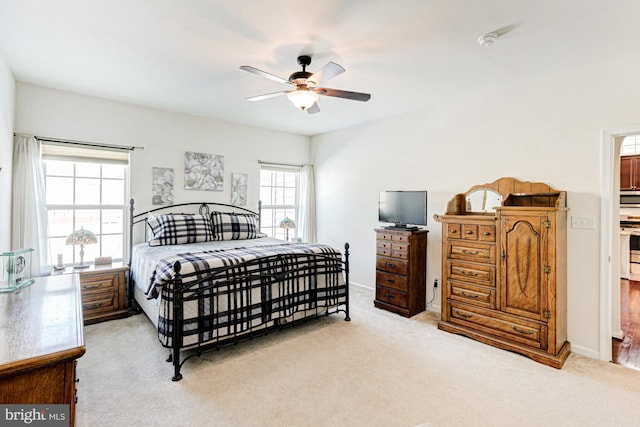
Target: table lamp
x=83 y=237
x=287 y=224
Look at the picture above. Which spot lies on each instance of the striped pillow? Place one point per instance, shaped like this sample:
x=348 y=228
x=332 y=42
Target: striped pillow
x=234 y=226
x=179 y=229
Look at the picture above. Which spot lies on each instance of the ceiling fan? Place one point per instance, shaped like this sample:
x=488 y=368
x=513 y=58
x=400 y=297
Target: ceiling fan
x=306 y=86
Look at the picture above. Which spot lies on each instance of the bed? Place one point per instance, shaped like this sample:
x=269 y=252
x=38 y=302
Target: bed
x=206 y=278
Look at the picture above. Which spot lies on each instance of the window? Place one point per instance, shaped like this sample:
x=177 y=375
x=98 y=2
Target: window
x=279 y=196
x=85 y=192
x=630 y=145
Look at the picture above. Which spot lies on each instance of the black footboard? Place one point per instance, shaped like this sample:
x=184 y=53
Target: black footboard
x=238 y=302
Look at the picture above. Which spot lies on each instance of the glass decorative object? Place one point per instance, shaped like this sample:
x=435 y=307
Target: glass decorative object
x=16 y=270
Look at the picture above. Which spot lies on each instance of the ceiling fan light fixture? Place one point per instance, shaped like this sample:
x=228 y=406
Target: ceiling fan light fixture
x=302 y=98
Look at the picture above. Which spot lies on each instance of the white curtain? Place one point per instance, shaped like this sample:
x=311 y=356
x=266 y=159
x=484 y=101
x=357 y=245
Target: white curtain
x=307 y=213
x=29 y=214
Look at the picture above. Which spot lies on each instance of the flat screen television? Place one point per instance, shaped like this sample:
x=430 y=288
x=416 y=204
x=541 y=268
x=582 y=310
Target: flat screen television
x=405 y=209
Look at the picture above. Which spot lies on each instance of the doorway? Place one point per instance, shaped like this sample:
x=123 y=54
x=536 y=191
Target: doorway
x=610 y=283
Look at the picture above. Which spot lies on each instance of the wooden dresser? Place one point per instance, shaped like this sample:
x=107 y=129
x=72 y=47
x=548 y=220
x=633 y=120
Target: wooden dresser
x=42 y=336
x=401 y=270
x=504 y=268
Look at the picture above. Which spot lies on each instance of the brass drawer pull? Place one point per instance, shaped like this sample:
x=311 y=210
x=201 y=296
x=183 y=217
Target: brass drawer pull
x=391 y=265
x=89 y=307
x=469 y=232
x=463 y=315
x=468 y=273
x=486 y=233
x=464 y=294
x=520 y=331
x=390 y=296
x=467 y=252
x=453 y=231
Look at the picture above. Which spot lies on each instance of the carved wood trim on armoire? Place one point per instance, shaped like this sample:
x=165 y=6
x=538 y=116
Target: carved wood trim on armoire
x=504 y=274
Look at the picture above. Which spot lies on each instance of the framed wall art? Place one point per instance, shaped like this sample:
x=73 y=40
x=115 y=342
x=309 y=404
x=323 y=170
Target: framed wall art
x=239 y=189
x=203 y=171
x=162 y=186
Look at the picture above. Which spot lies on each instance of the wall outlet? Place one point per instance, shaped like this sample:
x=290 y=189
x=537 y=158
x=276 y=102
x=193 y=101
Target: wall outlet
x=583 y=222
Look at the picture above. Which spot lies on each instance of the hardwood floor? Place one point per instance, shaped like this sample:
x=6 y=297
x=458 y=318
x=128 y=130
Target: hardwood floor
x=627 y=351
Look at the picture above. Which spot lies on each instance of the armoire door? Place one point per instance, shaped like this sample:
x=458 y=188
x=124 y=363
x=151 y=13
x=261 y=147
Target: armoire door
x=525 y=268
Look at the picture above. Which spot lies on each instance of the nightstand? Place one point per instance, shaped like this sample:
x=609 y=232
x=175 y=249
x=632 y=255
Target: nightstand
x=104 y=290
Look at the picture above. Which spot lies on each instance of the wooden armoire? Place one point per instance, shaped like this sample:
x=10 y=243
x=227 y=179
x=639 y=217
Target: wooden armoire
x=504 y=278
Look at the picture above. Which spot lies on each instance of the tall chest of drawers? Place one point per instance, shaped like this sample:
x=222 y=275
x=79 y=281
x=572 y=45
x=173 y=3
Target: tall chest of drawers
x=504 y=268
x=401 y=270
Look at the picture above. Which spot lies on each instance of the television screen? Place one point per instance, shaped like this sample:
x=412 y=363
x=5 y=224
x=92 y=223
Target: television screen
x=403 y=207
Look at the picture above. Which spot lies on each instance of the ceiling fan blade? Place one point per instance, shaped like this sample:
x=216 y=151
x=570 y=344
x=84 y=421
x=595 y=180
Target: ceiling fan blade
x=313 y=109
x=325 y=73
x=355 y=96
x=264 y=74
x=266 y=96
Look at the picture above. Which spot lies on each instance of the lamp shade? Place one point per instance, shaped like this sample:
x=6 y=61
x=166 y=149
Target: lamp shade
x=302 y=97
x=287 y=223
x=81 y=236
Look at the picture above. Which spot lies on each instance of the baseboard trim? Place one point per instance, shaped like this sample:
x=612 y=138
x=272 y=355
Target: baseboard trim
x=584 y=351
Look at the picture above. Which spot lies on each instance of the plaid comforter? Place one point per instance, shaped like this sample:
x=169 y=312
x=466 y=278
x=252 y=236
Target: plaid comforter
x=258 y=285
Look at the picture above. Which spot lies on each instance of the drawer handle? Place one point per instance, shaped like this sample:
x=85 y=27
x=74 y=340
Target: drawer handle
x=463 y=314
x=391 y=296
x=390 y=281
x=89 y=307
x=453 y=231
x=521 y=331
x=99 y=285
x=467 y=252
x=391 y=265
x=464 y=294
x=469 y=232
x=486 y=233
x=468 y=273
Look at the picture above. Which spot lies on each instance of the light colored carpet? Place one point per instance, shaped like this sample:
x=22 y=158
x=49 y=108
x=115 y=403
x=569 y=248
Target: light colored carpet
x=380 y=369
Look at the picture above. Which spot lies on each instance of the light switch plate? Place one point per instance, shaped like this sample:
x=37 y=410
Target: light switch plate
x=583 y=222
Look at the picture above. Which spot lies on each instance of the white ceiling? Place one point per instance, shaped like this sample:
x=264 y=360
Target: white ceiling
x=184 y=55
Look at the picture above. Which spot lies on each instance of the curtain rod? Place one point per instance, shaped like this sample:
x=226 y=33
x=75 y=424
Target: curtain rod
x=262 y=162
x=84 y=143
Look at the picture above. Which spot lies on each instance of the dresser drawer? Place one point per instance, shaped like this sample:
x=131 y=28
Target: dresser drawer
x=475 y=295
x=391 y=249
x=471 y=251
x=98 y=284
x=493 y=322
x=394 y=237
x=487 y=233
x=392 y=296
x=390 y=280
x=392 y=265
x=96 y=304
x=479 y=274
x=454 y=231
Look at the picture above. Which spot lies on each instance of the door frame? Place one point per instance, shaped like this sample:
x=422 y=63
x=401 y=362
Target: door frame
x=610 y=210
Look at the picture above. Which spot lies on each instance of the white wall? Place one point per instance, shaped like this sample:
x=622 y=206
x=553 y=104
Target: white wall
x=165 y=137
x=547 y=130
x=7 y=114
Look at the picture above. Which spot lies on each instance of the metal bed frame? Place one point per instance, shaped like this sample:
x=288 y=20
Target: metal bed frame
x=287 y=271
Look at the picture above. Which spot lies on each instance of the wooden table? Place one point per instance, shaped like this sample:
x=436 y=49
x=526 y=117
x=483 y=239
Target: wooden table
x=41 y=336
